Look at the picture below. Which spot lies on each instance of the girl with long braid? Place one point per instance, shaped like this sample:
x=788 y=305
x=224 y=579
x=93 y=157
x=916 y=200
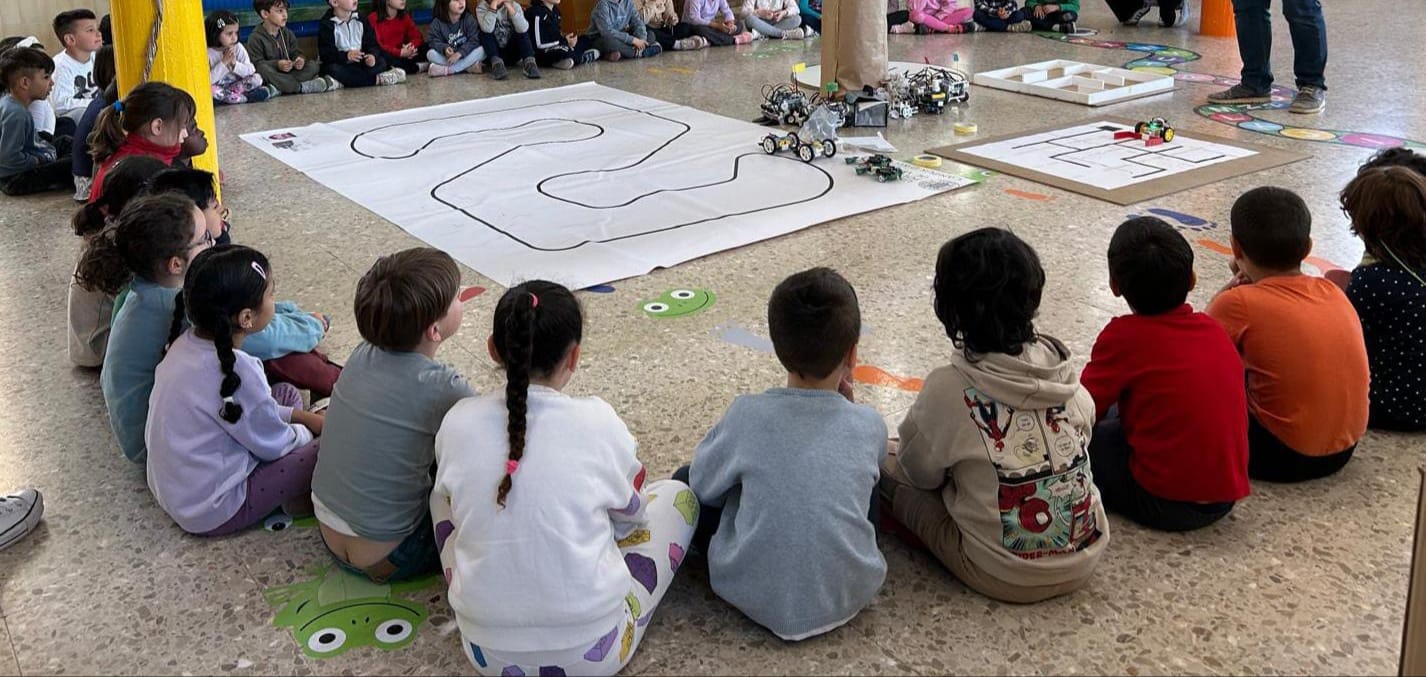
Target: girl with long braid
x=555 y=550
x=225 y=448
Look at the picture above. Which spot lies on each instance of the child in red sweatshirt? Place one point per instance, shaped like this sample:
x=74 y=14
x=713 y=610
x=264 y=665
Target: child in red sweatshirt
x=396 y=32
x=1170 y=450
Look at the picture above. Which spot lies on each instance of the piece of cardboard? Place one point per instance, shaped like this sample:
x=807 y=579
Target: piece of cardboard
x=1413 y=636
x=853 y=44
x=1264 y=157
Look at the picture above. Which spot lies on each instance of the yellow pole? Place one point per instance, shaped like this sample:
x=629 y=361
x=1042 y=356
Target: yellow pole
x=180 y=58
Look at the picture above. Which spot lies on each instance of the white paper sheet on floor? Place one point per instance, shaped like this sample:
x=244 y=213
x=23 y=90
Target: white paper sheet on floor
x=582 y=184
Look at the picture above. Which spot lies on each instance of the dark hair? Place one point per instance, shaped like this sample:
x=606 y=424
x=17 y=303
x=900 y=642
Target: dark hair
x=197 y=184
x=379 y=8
x=106 y=30
x=814 y=320
x=1273 y=227
x=64 y=22
x=1396 y=157
x=441 y=9
x=104 y=67
x=1152 y=264
x=151 y=230
x=129 y=177
x=19 y=62
x=260 y=6
x=146 y=103
x=988 y=286
x=215 y=23
x=1388 y=210
x=531 y=337
x=222 y=282
x=404 y=293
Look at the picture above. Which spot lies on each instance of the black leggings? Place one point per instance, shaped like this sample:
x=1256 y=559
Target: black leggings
x=1051 y=20
x=1270 y=460
x=411 y=66
x=356 y=74
x=1109 y=453
x=1123 y=9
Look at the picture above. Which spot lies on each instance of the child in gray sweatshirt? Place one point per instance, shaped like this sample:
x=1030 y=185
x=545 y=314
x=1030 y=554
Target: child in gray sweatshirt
x=786 y=478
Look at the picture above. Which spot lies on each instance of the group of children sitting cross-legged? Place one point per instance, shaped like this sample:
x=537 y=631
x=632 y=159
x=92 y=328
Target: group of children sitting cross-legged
x=969 y=16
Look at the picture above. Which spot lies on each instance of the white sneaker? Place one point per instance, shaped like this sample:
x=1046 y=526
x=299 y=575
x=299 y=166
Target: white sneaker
x=81 y=188
x=794 y=34
x=757 y=36
x=20 y=513
x=394 y=76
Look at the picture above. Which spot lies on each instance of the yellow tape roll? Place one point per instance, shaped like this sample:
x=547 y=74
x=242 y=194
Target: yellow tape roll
x=965 y=128
x=927 y=161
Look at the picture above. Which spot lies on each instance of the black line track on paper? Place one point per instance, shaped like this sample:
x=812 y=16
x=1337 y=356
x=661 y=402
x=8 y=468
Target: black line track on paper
x=540 y=187
x=1127 y=143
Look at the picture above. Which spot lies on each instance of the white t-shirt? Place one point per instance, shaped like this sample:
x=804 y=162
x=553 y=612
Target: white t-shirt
x=74 y=84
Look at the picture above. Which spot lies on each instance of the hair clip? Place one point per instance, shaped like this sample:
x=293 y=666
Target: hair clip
x=534 y=300
x=31 y=41
x=221 y=24
x=258 y=269
x=118 y=106
x=511 y=466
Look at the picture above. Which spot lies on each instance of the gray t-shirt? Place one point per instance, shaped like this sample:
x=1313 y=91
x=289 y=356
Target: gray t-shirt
x=794 y=471
x=379 y=440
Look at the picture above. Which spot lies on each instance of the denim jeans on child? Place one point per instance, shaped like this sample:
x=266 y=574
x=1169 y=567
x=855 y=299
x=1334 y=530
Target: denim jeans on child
x=1309 y=42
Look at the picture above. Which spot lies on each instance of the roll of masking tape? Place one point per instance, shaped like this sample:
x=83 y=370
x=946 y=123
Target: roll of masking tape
x=927 y=161
x=965 y=128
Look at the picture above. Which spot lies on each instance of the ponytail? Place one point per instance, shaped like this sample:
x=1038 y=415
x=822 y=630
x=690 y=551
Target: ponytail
x=222 y=282
x=108 y=134
x=146 y=103
x=180 y=315
x=537 y=324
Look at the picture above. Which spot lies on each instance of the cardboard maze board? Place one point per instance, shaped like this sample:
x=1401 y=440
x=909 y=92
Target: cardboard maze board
x=1085 y=158
x=582 y=184
x=1076 y=82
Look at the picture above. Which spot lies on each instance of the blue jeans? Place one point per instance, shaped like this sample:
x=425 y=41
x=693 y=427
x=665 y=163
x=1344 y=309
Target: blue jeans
x=1309 y=42
x=414 y=557
x=461 y=63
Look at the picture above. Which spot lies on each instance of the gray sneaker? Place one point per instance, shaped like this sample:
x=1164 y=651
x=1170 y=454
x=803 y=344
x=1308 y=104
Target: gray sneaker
x=1309 y=100
x=20 y=513
x=1238 y=94
x=532 y=70
x=498 y=70
x=1139 y=13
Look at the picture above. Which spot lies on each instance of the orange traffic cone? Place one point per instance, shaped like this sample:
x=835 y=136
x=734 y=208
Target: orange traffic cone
x=1217 y=19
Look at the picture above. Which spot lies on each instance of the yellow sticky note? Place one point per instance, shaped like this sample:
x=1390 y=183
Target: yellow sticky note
x=798 y=68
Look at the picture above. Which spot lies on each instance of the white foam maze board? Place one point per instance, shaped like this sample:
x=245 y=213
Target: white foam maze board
x=582 y=184
x=1082 y=83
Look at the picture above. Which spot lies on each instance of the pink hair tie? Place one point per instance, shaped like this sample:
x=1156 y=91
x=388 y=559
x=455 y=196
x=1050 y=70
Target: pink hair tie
x=534 y=301
x=511 y=466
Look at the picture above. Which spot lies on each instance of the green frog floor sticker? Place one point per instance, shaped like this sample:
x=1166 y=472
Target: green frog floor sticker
x=678 y=303
x=337 y=611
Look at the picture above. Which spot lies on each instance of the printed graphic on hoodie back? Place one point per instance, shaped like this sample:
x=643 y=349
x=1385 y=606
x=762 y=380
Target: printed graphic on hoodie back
x=1045 y=482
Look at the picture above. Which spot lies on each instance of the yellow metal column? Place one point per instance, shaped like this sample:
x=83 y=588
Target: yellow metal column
x=180 y=59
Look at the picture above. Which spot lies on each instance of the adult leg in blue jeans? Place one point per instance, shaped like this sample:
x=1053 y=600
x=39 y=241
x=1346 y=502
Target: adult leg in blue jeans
x=1309 y=42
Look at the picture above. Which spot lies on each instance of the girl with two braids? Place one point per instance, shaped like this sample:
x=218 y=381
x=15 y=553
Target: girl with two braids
x=225 y=448
x=556 y=551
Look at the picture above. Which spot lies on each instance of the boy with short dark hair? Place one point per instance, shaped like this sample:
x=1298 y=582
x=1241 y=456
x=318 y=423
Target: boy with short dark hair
x=786 y=478
x=1301 y=342
x=372 y=485
x=74 y=86
x=274 y=51
x=28 y=164
x=1170 y=450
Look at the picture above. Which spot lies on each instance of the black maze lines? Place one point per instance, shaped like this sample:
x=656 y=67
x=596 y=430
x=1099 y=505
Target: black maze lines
x=1090 y=150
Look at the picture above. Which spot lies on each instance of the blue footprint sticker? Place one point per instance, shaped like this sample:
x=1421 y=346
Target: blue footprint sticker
x=1180 y=220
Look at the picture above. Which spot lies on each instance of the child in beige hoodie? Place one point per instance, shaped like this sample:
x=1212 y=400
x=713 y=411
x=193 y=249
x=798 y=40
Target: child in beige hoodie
x=993 y=470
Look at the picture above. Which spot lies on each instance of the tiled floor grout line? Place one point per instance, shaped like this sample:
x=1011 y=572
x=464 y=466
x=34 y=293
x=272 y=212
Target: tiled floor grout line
x=10 y=640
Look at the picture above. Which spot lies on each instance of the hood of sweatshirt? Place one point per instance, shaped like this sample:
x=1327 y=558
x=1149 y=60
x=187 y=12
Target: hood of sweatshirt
x=1039 y=377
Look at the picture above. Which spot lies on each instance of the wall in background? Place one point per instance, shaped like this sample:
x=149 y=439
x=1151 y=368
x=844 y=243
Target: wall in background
x=36 y=17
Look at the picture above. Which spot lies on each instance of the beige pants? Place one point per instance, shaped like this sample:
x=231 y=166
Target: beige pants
x=924 y=513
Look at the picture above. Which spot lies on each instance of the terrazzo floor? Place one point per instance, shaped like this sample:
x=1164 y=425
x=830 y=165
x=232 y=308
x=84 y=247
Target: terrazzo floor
x=1300 y=579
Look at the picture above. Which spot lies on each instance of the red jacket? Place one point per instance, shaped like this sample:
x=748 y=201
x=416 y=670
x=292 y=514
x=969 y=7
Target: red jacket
x=392 y=33
x=134 y=144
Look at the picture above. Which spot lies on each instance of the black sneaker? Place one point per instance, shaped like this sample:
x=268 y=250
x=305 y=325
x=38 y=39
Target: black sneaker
x=1139 y=13
x=1068 y=28
x=498 y=69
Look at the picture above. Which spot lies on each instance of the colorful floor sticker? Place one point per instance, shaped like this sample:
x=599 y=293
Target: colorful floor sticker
x=337 y=611
x=1166 y=60
x=1027 y=195
x=1323 y=266
x=678 y=303
x=1179 y=220
x=470 y=292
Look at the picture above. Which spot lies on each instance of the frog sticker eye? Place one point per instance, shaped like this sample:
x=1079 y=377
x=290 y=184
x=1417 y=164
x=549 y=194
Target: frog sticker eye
x=682 y=294
x=393 y=631
x=655 y=308
x=327 y=640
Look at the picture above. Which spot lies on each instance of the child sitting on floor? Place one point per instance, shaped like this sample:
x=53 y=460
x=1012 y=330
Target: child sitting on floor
x=993 y=472
x=74 y=84
x=231 y=72
x=1001 y=16
x=504 y=33
x=1060 y=15
x=454 y=40
x=713 y=21
x=554 y=47
x=777 y=19
x=225 y=448
x=1387 y=205
x=786 y=478
x=28 y=164
x=397 y=36
x=152 y=120
x=348 y=49
x=277 y=56
x=941 y=16
x=81 y=163
x=661 y=19
x=556 y=552
x=1301 y=341
x=372 y=487
x=1170 y=450
x=617 y=30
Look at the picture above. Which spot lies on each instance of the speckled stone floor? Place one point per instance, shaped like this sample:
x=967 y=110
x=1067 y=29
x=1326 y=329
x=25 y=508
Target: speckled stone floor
x=1300 y=579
